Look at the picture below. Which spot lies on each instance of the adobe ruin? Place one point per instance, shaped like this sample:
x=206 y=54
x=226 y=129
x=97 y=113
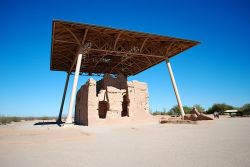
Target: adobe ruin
x=111 y=98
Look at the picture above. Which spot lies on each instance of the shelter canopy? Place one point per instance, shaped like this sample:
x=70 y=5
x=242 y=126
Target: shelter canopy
x=109 y=50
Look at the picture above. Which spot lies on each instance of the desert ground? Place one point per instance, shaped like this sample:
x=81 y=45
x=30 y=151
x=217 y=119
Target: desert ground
x=221 y=142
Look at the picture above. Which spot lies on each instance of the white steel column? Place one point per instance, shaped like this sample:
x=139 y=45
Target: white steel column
x=175 y=88
x=73 y=94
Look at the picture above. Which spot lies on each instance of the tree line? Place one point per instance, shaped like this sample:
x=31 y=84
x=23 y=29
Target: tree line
x=218 y=107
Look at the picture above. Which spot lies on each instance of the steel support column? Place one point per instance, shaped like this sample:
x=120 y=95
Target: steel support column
x=73 y=93
x=59 y=119
x=175 y=88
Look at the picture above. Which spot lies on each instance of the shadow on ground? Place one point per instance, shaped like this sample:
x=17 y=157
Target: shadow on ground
x=49 y=123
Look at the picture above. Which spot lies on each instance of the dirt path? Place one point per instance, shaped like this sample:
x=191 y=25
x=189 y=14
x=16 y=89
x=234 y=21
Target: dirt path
x=224 y=142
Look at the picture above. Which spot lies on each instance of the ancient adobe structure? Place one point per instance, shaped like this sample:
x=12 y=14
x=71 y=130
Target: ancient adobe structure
x=111 y=98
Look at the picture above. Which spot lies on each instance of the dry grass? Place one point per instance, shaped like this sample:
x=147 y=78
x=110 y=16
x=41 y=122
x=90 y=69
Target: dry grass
x=8 y=119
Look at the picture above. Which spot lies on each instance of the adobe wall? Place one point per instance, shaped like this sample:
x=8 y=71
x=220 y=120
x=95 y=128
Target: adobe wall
x=111 y=90
x=86 y=109
x=111 y=98
x=138 y=99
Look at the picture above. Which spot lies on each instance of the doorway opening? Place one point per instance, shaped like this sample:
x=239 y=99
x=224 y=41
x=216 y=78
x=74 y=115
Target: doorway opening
x=125 y=106
x=103 y=108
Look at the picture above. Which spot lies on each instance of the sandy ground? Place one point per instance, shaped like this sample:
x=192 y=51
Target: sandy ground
x=224 y=142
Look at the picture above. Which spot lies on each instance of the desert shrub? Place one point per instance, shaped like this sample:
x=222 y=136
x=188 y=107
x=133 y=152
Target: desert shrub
x=158 y=113
x=6 y=120
x=28 y=118
x=45 y=118
x=15 y=119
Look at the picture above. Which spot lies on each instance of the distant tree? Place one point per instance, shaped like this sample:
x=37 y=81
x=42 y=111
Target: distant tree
x=220 y=108
x=199 y=108
x=187 y=109
x=176 y=111
x=245 y=109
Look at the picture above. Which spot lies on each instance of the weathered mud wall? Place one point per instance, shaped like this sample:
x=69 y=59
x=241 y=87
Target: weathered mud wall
x=111 y=98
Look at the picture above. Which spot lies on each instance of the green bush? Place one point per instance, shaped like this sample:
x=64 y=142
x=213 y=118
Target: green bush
x=176 y=111
x=245 y=109
x=220 y=108
x=199 y=108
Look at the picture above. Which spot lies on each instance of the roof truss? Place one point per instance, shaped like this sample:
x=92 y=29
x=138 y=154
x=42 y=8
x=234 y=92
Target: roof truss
x=110 y=50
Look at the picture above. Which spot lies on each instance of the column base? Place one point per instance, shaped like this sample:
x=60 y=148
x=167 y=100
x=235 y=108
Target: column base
x=68 y=125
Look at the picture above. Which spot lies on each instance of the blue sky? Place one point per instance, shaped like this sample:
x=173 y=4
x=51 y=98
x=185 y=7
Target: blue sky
x=216 y=71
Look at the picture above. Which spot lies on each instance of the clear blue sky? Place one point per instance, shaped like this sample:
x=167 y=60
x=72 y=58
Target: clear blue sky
x=215 y=71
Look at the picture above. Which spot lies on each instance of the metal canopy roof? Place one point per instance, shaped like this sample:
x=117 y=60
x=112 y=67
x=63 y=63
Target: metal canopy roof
x=110 y=50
